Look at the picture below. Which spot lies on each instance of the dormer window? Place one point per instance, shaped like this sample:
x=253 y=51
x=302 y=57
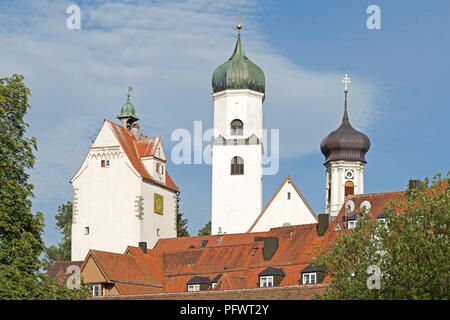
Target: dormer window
x=237 y=128
x=352 y=220
x=98 y=290
x=271 y=277
x=198 y=284
x=159 y=168
x=309 y=278
x=266 y=281
x=215 y=280
x=352 y=224
x=312 y=274
x=193 y=287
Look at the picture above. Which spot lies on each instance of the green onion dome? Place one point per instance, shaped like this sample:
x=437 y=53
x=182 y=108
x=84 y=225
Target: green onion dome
x=238 y=72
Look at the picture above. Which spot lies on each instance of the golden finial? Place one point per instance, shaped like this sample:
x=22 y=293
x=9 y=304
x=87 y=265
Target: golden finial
x=239 y=26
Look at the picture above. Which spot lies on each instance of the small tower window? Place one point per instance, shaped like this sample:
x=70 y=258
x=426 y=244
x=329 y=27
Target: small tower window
x=237 y=128
x=105 y=163
x=237 y=166
x=349 y=188
x=86 y=231
x=159 y=168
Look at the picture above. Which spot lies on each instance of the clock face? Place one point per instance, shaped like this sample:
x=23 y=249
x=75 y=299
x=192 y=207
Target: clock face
x=158 y=204
x=349 y=174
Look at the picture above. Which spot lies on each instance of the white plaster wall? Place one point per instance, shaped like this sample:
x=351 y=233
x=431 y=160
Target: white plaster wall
x=152 y=221
x=245 y=105
x=281 y=210
x=236 y=199
x=338 y=179
x=105 y=200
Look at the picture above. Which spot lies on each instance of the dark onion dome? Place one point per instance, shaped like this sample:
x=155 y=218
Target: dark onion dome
x=345 y=143
x=238 y=72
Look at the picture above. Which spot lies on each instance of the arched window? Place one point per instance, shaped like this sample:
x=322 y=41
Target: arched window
x=237 y=166
x=349 y=188
x=237 y=127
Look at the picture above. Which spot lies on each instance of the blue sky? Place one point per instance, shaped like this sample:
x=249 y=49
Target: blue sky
x=168 y=50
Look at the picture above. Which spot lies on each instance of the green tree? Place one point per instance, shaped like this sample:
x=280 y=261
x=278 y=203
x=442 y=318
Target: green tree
x=411 y=250
x=181 y=223
x=20 y=231
x=62 y=252
x=206 y=230
x=182 y=226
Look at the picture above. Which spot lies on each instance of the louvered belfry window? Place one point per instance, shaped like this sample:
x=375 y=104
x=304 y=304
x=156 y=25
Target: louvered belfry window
x=349 y=188
x=237 y=166
x=237 y=128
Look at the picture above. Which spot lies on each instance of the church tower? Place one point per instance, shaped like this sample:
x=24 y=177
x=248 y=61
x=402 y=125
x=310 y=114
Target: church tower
x=344 y=150
x=238 y=94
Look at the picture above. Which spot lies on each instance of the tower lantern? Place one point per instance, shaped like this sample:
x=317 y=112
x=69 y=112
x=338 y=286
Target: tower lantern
x=128 y=112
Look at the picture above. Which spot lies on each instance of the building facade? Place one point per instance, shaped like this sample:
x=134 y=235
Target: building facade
x=122 y=192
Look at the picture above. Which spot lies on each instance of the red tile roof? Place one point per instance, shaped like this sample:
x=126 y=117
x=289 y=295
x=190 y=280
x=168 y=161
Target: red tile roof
x=238 y=257
x=136 y=149
x=378 y=201
x=58 y=270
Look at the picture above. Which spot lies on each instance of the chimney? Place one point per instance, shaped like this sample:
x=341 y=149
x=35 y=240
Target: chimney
x=270 y=247
x=143 y=246
x=322 y=225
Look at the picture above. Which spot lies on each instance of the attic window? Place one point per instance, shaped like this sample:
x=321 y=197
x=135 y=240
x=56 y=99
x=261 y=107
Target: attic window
x=309 y=278
x=203 y=243
x=98 y=290
x=193 y=287
x=159 y=168
x=352 y=224
x=271 y=277
x=104 y=163
x=266 y=281
x=289 y=196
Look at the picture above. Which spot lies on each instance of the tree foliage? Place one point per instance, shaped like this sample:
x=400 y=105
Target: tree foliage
x=20 y=230
x=206 y=230
x=411 y=250
x=62 y=252
x=182 y=226
x=181 y=223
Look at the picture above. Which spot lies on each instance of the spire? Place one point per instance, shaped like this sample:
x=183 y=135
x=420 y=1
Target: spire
x=345 y=80
x=238 y=50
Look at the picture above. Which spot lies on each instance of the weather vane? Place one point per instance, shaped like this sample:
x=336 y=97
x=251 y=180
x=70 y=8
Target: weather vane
x=129 y=90
x=345 y=81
